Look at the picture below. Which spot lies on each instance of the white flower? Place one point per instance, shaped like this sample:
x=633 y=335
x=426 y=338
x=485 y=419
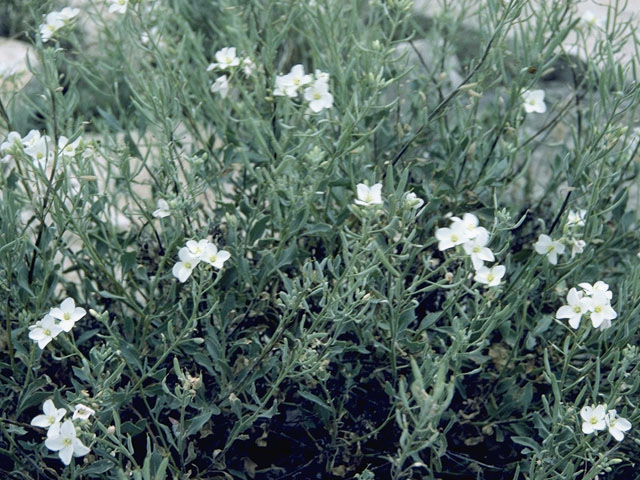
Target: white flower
x=44 y=331
x=163 y=209
x=221 y=85
x=599 y=286
x=477 y=248
x=82 y=411
x=321 y=76
x=593 y=419
x=590 y=20
x=617 y=425
x=490 y=276
x=248 y=66
x=182 y=269
x=288 y=84
x=450 y=237
x=66 y=443
x=68 y=14
x=30 y=138
x=197 y=249
x=577 y=246
x=51 y=25
x=411 y=200
x=52 y=415
x=118 y=6
x=68 y=314
x=10 y=147
x=67 y=148
x=469 y=223
x=576 y=218
x=368 y=196
x=577 y=305
x=213 y=256
x=38 y=149
x=551 y=248
x=225 y=58
x=601 y=311
x=318 y=96
x=534 y=101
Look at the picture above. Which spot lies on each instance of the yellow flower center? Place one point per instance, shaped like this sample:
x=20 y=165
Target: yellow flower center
x=67 y=441
x=598 y=309
x=454 y=237
x=213 y=258
x=66 y=316
x=187 y=265
x=47 y=332
x=593 y=420
x=317 y=96
x=491 y=277
x=577 y=309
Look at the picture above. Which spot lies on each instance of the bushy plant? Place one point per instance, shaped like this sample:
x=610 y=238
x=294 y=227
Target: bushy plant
x=321 y=239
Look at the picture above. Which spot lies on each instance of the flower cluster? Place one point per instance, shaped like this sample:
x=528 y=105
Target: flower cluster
x=316 y=91
x=474 y=239
x=368 y=196
x=195 y=252
x=593 y=300
x=59 y=319
x=56 y=21
x=571 y=238
x=37 y=146
x=597 y=419
x=62 y=436
x=226 y=59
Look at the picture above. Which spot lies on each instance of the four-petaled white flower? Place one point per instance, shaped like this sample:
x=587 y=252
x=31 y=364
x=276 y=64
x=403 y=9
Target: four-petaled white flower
x=533 y=101
x=248 y=66
x=617 y=425
x=368 y=196
x=490 y=276
x=288 y=85
x=411 y=200
x=225 y=58
x=197 y=248
x=52 y=415
x=188 y=261
x=66 y=443
x=213 y=256
x=49 y=29
x=469 y=223
x=67 y=148
x=577 y=246
x=318 y=96
x=221 y=86
x=593 y=419
x=68 y=314
x=576 y=218
x=577 y=305
x=44 y=331
x=477 y=248
x=591 y=20
x=599 y=286
x=163 y=209
x=82 y=412
x=118 y=6
x=601 y=311
x=457 y=234
x=549 y=247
